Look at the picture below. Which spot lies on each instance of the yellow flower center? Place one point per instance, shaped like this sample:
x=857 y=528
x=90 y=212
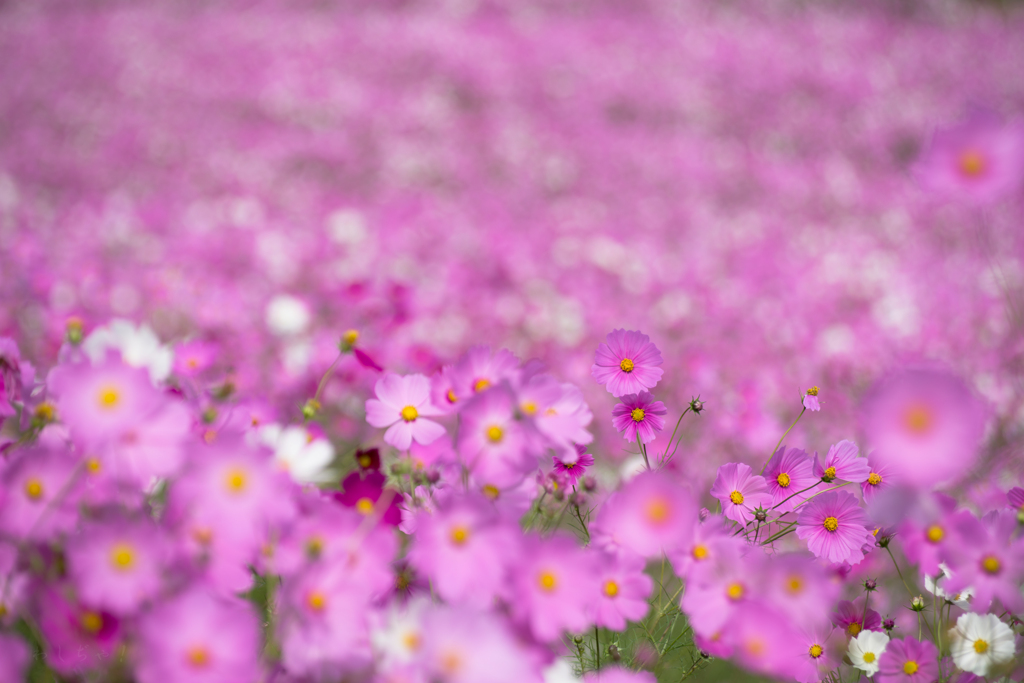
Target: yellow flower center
x=910 y=667
x=198 y=656
x=626 y=365
x=736 y=497
x=830 y=473
x=411 y=640
x=108 y=398
x=235 y=480
x=699 y=552
x=529 y=407
x=980 y=646
x=364 y=506
x=783 y=480
x=935 y=533
x=495 y=434
x=459 y=535
x=409 y=413
x=491 y=491
x=991 y=565
x=918 y=419
x=831 y=524
x=816 y=650
x=45 y=412
x=972 y=163
x=813 y=391
x=316 y=600
x=34 y=488
x=874 y=479
x=451 y=662
x=547 y=581
x=869 y=657
x=637 y=414
x=611 y=589
x=122 y=557
x=795 y=584
x=853 y=629
x=93 y=465
x=314 y=546
x=657 y=510
x=734 y=591
x=481 y=384
x=350 y=337
x=91 y=622
x=452 y=398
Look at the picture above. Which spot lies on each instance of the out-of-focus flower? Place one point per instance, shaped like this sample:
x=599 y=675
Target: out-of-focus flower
x=981 y=643
x=879 y=479
x=866 y=649
x=479 y=370
x=14 y=658
x=38 y=496
x=1015 y=497
x=852 y=618
x=816 y=653
x=650 y=515
x=553 y=583
x=623 y=589
x=639 y=416
x=798 y=586
x=79 y=636
x=833 y=524
x=491 y=441
x=980 y=159
x=572 y=471
x=989 y=557
x=192 y=358
x=740 y=492
x=618 y=675
x=925 y=425
x=842 y=463
x=401 y=405
x=361 y=493
x=466 y=646
x=909 y=661
x=287 y=316
x=139 y=347
x=196 y=636
x=299 y=453
x=627 y=363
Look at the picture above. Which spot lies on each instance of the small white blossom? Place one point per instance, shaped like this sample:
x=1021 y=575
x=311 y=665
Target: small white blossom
x=139 y=347
x=297 y=452
x=867 y=649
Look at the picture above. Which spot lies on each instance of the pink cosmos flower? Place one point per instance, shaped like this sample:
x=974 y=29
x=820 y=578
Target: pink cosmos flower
x=989 y=557
x=909 y=661
x=842 y=463
x=560 y=416
x=192 y=358
x=732 y=579
x=479 y=370
x=810 y=400
x=78 y=636
x=553 y=585
x=798 y=586
x=196 y=636
x=623 y=589
x=491 y=441
x=880 y=478
x=979 y=160
x=787 y=473
x=117 y=565
x=851 y=618
x=710 y=539
x=925 y=424
x=816 y=653
x=650 y=515
x=929 y=531
x=617 y=675
x=14 y=658
x=833 y=524
x=639 y=414
x=572 y=471
x=762 y=640
x=40 y=496
x=464 y=549
x=627 y=363
x=468 y=646
x=402 y=403
x=442 y=390
x=740 y=492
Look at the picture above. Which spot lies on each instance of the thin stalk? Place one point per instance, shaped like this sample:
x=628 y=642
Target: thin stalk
x=804 y=410
x=597 y=647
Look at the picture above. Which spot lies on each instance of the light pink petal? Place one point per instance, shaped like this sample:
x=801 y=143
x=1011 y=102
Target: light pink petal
x=417 y=389
x=649 y=356
x=390 y=389
x=647 y=376
x=399 y=435
x=602 y=374
x=379 y=414
x=605 y=357
x=426 y=431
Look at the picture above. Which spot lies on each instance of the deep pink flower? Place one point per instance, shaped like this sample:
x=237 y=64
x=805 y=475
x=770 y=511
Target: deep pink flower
x=627 y=363
x=909 y=661
x=78 y=636
x=650 y=515
x=833 y=524
x=851 y=618
x=117 y=565
x=842 y=463
x=361 y=491
x=979 y=160
x=639 y=414
x=925 y=424
x=787 y=473
x=740 y=492
x=572 y=471
x=200 y=637
x=623 y=589
x=402 y=404
x=552 y=585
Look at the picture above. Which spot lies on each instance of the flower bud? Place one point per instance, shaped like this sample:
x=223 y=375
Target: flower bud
x=73 y=330
x=348 y=341
x=760 y=514
x=310 y=410
x=589 y=484
x=704 y=514
x=578 y=499
x=889 y=624
x=696 y=405
x=432 y=476
x=917 y=604
x=613 y=652
x=870 y=585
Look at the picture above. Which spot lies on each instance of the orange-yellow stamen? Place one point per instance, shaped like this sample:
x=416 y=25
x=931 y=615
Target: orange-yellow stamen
x=972 y=163
x=626 y=365
x=736 y=497
x=409 y=413
x=547 y=581
x=783 y=480
x=459 y=535
x=874 y=479
x=34 y=488
x=637 y=414
x=935 y=533
x=108 y=398
x=831 y=524
x=611 y=589
x=364 y=506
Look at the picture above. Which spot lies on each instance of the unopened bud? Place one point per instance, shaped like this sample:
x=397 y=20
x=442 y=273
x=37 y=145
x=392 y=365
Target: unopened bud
x=613 y=652
x=310 y=410
x=209 y=415
x=578 y=499
x=704 y=655
x=883 y=541
x=870 y=585
x=703 y=514
x=73 y=330
x=760 y=514
x=432 y=476
x=889 y=624
x=589 y=484
x=348 y=341
x=917 y=604
x=696 y=405
x=578 y=640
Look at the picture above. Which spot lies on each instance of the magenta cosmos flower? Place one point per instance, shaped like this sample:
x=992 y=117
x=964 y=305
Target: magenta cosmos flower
x=988 y=556
x=479 y=370
x=909 y=661
x=651 y=514
x=880 y=478
x=78 y=636
x=37 y=498
x=401 y=405
x=925 y=424
x=639 y=415
x=198 y=637
x=979 y=159
x=842 y=463
x=852 y=618
x=787 y=473
x=833 y=524
x=1015 y=497
x=627 y=363
x=740 y=491
x=572 y=471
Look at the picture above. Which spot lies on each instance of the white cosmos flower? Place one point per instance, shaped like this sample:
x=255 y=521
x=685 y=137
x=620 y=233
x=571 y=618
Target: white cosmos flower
x=867 y=649
x=398 y=640
x=932 y=585
x=139 y=347
x=980 y=642
x=287 y=316
x=296 y=451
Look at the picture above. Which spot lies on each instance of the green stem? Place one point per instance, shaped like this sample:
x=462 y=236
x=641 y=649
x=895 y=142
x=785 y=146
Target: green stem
x=327 y=376
x=643 y=451
x=597 y=647
x=804 y=410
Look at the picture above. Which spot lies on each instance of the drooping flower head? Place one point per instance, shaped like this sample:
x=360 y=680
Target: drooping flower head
x=402 y=404
x=627 y=363
x=842 y=463
x=981 y=643
x=833 y=524
x=740 y=491
x=639 y=415
x=979 y=160
x=925 y=425
x=909 y=661
x=650 y=515
x=788 y=472
x=810 y=400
